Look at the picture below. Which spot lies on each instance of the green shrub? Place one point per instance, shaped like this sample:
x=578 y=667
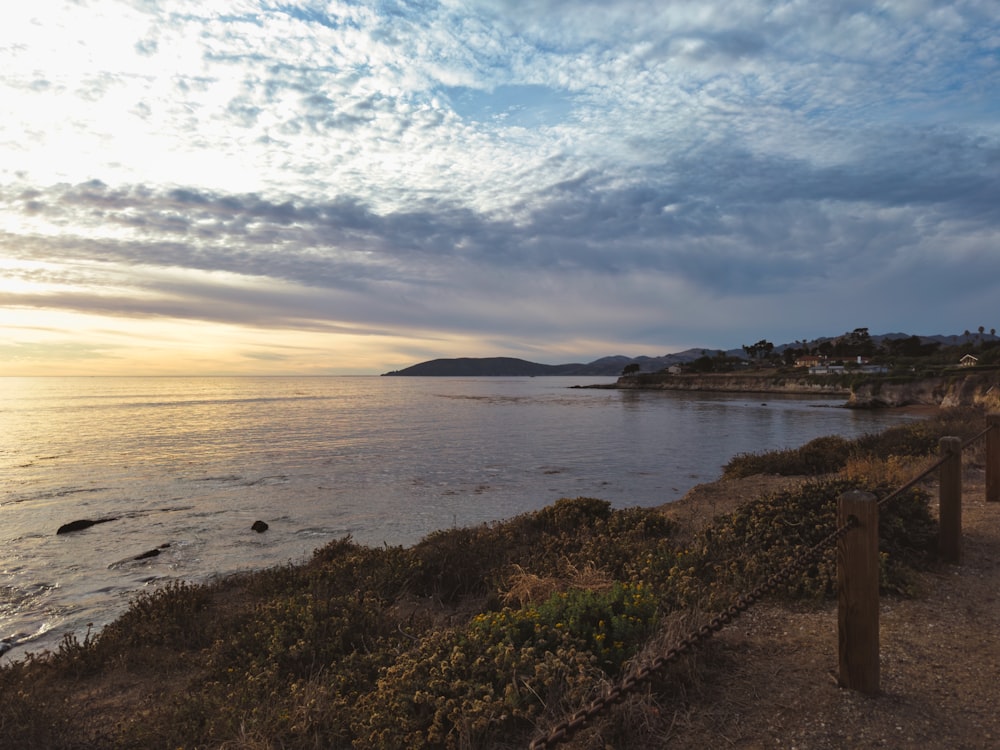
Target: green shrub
x=611 y=624
x=469 y=688
x=496 y=676
x=745 y=547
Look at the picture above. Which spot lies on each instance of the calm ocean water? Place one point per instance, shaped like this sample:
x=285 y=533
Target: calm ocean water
x=186 y=465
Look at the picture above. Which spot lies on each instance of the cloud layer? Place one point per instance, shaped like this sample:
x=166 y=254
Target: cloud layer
x=517 y=178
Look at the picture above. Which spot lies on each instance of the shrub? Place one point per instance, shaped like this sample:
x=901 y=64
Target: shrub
x=496 y=676
x=742 y=549
x=824 y=455
x=567 y=513
x=169 y=616
x=579 y=531
x=827 y=455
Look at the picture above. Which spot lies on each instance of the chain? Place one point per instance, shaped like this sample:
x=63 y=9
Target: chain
x=931 y=469
x=913 y=482
x=976 y=438
x=566 y=729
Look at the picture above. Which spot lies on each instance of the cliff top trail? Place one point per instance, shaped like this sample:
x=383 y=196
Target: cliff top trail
x=771 y=679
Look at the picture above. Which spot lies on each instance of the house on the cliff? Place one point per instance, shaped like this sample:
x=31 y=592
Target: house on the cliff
x=860 y=364
x=968 y=361
x=808 y=360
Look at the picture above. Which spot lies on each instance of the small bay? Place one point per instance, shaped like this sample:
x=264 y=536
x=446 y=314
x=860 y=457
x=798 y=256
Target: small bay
x=184 y=466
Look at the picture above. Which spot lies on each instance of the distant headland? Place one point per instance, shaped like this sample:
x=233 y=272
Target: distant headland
x=513 y=367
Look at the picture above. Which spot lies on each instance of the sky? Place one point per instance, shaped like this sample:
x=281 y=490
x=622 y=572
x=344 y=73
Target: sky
x=325 y=188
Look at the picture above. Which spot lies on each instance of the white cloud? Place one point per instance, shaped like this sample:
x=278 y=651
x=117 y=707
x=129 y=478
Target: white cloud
x=385 y=165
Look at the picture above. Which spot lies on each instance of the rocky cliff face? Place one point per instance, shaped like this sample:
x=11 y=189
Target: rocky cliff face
x=974 y=389
x=734 y=384
x=960 y=389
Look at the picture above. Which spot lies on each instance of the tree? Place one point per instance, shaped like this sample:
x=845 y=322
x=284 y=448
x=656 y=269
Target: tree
x=861 y=342
x=854 y=344
x=761 y=350
x=908 y=347
x=704 y=363
x=630 y=369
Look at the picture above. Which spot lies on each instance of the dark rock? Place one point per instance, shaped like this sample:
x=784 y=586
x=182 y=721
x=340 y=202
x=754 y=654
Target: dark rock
x=80 y=525
x=259 y=526
x=8 y=643
x=153 y=552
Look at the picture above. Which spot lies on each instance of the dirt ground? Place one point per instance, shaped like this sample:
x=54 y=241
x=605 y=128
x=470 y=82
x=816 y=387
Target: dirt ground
x=773 y=676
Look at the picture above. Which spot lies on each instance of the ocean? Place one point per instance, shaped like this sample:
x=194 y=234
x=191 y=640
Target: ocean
x=185 y=466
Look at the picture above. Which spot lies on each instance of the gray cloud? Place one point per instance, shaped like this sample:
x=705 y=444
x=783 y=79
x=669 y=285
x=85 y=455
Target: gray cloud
x=722 y=223
x=522 y=169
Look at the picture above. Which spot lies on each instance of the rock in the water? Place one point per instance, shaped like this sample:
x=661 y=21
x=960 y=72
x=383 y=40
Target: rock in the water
x=259 y=526
x=147 y=554
x=8 y=643
x=83 y=523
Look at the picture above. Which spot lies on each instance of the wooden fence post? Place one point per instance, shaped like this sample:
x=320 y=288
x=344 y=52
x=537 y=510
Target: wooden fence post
x=950 y=500
x=857 y=582
x=993 y=459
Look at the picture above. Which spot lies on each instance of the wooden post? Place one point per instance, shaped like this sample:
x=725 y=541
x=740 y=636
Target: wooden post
x=950 y=500
x=993 y=459
x=857 y=581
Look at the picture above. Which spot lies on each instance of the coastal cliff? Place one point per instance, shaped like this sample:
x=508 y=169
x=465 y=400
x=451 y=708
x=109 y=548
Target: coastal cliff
x=973 y=389
x=958 y=389
x=733 y=383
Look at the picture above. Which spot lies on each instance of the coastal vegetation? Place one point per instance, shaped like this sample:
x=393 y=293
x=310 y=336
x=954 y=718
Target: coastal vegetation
x=845 y=360
x=871 y=372
x=473 y=638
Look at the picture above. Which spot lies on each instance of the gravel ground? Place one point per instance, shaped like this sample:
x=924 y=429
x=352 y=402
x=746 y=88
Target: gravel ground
x=771 y=680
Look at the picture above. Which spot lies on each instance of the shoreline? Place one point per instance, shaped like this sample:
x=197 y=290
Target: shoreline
x=956 y=389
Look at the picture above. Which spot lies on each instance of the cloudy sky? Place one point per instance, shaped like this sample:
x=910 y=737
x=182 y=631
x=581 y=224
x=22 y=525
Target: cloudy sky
x=299 y=187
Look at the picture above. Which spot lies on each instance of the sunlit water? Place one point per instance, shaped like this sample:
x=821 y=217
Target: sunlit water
x=187 y=465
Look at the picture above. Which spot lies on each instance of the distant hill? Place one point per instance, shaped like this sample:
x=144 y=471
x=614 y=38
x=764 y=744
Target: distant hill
x=612 y=366
x=512 y=367
x=486 y=366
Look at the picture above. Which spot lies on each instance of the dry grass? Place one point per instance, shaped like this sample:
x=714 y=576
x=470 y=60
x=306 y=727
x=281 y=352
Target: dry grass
x=893 y=471
x=523 y=587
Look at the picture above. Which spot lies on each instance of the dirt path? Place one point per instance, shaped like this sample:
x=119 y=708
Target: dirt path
x=773 y=680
